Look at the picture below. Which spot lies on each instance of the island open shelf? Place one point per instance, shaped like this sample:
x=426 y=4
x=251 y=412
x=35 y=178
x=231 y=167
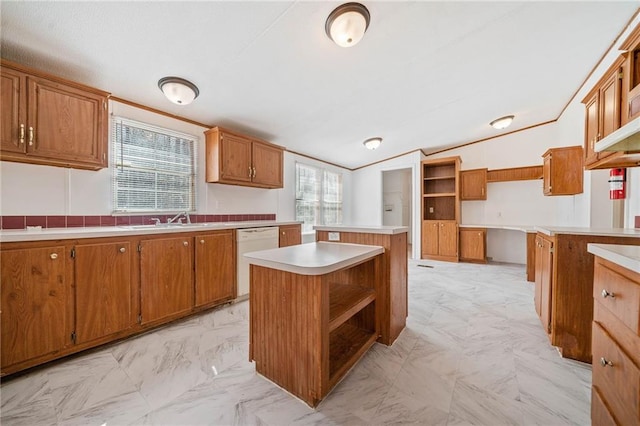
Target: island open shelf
x=313 y=313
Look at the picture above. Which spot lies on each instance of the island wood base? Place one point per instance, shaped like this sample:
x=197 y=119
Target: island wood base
x=307 y=331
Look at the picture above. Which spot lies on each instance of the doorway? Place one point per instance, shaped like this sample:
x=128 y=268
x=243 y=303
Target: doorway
x=397 y=200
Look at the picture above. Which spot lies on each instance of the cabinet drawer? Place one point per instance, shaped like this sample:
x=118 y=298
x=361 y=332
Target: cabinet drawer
x=600 y=415
x=616 y=376
x=618 y=294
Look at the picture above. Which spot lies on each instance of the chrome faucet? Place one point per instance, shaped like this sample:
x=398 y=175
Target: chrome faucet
x=178 y=217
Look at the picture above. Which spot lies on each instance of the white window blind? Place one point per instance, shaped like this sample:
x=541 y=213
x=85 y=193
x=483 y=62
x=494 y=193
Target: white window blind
x=154 y=168
x=318 y=197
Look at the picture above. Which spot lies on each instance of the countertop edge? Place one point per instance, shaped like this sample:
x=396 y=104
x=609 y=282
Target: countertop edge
x=606 y=232
x=49 y=234
x=389 y=230
x=627 y=257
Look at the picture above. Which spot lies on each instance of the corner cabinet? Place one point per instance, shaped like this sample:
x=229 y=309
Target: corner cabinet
x=562 y=172
x=51 y=121
x=440 y=208
x=236 y=159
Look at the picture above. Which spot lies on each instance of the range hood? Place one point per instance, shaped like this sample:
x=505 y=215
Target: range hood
x=626 y=138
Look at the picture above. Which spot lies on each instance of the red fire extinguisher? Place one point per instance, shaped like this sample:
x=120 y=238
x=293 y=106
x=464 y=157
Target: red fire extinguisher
x=617 y=182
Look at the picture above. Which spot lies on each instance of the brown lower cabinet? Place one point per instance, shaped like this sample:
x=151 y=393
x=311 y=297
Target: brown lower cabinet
x=616 y=345
x=564 y=289
x=290 y=235
x=62 y=297
x=473 y=245
x=440 y=240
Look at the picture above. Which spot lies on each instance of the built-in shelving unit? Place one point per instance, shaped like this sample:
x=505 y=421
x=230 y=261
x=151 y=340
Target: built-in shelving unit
x=440 y=208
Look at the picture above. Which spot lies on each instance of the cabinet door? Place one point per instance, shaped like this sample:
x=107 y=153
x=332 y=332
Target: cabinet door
x=448 y=239
x=290 y=235
x=34 y=303
x=430 y=232
x=537 y=294
x=105 y=290
x=592 y=117
x=215 y=268
x=547 y=175
x=166 y=278
x=609 y=107
x=12 y=127
x=472 y=244
x=65 y=124
x=473 y=184
x=267 y=164
x=546 y=282
x=235 y=158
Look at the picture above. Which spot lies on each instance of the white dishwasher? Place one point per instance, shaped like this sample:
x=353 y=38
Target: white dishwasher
x=252 y=239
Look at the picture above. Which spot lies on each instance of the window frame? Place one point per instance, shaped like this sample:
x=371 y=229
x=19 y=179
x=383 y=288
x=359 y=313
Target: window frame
x=321 y=186
x=117 y=163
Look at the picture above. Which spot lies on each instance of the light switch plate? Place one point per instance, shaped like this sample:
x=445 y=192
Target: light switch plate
x=334 y=236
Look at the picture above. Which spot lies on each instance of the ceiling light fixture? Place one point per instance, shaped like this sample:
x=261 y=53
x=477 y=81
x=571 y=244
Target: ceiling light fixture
x=347 y=24
x=178 y=90
x=502 y=122
x=372 y=143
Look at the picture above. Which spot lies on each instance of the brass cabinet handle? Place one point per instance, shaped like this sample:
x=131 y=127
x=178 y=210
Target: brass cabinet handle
x=122 y=249
x=254 y=172
x=31 y=136
x=201 y=241
x=604 y=362
x=186 y=243
x=606 y=293
x=53 y=256
x=250 y=172
x=21 y=134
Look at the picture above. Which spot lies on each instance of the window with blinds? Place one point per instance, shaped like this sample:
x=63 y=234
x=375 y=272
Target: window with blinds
x=318 y=197
x=154 y=168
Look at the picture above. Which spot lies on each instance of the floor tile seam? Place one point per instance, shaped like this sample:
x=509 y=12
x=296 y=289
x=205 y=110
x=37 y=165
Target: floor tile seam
x=138 y=386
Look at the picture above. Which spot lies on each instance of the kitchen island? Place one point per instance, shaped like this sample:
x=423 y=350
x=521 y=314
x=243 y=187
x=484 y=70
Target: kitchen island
x=313 y=313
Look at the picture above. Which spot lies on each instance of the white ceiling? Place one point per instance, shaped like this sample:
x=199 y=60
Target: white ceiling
x=426 y=75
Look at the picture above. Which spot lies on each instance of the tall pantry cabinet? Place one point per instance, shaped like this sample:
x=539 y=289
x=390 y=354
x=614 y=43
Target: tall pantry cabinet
x=440 y=208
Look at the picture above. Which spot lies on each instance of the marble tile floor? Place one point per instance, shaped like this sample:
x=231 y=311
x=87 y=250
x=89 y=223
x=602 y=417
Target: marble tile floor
x=473 y=353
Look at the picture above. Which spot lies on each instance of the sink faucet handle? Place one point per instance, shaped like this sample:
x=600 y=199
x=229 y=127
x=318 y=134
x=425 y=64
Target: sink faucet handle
x=156 y=220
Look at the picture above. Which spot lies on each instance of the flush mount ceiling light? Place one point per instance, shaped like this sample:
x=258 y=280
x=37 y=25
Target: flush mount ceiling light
x=502 y=122
x=347 y=24
x=178 y=90
x=372 y=143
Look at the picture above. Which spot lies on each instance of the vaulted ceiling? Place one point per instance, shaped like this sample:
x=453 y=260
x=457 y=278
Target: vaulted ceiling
x=427 y=75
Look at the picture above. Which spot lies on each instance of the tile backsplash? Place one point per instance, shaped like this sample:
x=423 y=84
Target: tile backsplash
x=21 y=222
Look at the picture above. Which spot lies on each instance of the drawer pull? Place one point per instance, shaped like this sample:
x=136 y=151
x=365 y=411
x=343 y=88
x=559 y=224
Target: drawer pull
x=606 y=293
x=201 y=241
x=185 y=243
x=53 y=256
x=122 y=249
x=604 y=362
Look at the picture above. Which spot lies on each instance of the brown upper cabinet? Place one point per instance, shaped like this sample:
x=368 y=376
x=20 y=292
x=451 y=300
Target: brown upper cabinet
x=562 y=172
x=51 y=121
x=473 y=184
x=236 y=159
x=290 y=235
x=602 y=115
x=631 y=77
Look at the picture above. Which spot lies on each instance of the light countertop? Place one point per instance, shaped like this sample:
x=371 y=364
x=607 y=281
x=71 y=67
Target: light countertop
x=14 y=235
x=626 y=256
x=523 y=228
x=364 y=229
x=608 y=232
x=313 y=258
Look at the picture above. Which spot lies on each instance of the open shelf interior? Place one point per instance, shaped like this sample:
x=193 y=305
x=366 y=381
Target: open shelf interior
x=347 y=343
x=439 y=185
x=345 y=300
x=439 y=208
x=431 y=171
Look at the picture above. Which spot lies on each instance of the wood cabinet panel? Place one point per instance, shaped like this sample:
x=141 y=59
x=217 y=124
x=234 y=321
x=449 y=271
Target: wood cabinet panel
x=592 y=125
x=215 y=268
x=55 y=122
x=600 y=413
x=473 y=245
x=105 y=291
x=35 y=297
x=166 y=278
x=267 y=165
x=473 y=184
x=544 y=280
x=290 y=235
x=562 y=172
x=448 y=239
x=13 y=112
x=430 y=231
x=236 y=159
